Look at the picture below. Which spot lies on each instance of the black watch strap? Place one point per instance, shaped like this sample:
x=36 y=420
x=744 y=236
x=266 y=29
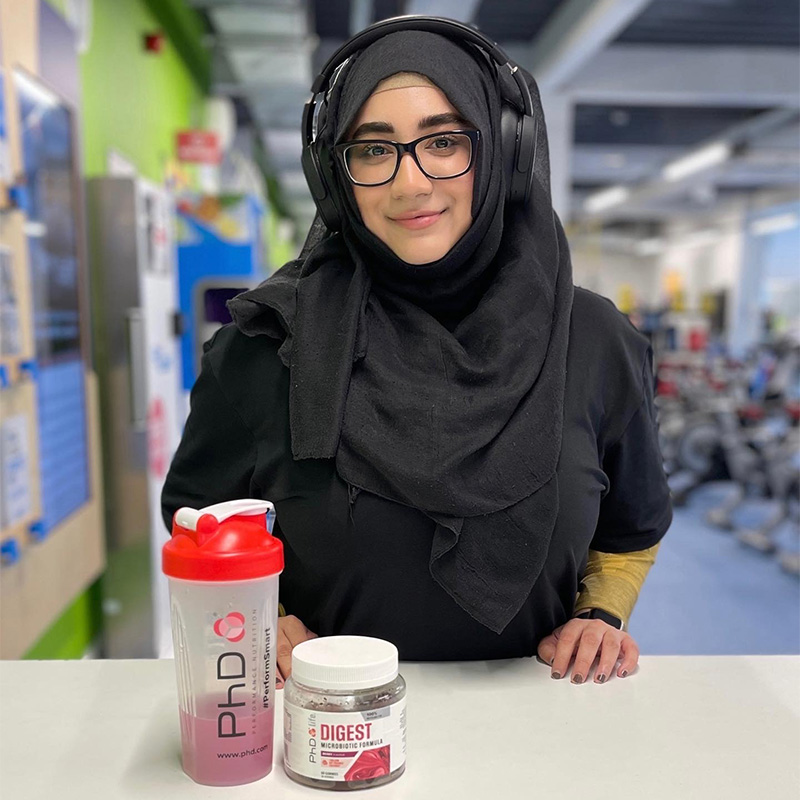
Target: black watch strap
x=598 y=613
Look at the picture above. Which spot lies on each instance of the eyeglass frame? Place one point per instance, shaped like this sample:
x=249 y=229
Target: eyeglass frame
x=474 y=137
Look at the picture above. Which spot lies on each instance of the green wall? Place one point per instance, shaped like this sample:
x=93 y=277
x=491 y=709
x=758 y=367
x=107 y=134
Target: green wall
x=75 y=629
x=134 y=102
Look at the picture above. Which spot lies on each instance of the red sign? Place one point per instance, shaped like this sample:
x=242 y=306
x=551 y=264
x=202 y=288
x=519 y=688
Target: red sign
x=198 y=147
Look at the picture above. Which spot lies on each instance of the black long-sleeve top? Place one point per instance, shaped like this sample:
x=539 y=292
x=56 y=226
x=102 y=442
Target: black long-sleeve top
x=357 y=563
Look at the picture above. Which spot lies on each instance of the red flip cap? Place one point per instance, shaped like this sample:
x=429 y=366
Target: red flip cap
x=223 y=542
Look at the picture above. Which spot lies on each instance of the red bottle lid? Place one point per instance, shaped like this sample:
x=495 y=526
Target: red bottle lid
x=223 y=542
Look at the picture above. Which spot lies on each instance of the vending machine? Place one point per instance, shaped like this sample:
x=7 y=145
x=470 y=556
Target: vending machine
x=221 y=252
x=136 y=348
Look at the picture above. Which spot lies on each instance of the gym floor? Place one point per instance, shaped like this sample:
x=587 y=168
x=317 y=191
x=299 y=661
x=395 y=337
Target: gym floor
x=707 y=594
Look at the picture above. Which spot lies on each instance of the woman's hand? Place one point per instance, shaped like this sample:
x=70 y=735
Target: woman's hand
x=585 y=638
x=291 y=632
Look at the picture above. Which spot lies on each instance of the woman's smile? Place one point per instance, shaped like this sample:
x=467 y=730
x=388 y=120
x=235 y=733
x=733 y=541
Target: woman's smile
x=418 y=220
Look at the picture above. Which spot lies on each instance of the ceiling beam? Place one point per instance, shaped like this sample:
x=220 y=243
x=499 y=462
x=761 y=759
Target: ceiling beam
x=574 y=34
x=461 y=10
x=360 y=15
x=749 y=77
x=737 y=137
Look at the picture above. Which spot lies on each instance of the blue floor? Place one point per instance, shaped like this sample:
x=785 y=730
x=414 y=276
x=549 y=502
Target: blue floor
x=707 y=594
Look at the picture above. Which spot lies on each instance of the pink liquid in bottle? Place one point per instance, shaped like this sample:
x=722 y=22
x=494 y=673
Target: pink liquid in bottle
x=226 y=761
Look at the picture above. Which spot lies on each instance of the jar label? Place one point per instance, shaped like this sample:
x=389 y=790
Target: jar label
x=345 y=745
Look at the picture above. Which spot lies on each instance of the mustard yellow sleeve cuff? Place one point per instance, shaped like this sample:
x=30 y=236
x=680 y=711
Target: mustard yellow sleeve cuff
x=612 y=581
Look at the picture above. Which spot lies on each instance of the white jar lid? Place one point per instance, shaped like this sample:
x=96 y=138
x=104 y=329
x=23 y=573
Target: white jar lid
x=344 y=662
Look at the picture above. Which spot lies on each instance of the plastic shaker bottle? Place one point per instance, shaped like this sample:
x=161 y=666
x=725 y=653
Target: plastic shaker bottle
x=223 y=567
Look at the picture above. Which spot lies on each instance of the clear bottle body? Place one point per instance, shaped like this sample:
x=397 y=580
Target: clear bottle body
x=324 y=701
x=225 y=635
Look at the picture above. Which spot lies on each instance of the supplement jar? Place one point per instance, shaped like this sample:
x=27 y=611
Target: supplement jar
x=344 y=713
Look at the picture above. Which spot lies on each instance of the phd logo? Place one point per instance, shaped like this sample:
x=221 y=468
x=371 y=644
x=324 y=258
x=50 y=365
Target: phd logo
x=230 y=627
x=312 y=738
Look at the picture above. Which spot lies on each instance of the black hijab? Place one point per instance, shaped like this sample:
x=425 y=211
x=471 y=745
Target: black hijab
x=439 y=386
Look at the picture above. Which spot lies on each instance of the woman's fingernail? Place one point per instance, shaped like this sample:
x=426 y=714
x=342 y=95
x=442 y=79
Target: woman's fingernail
x=550 y=662
x=577 y=678
x=624 y=673
x=555 y=676
x=601 y=679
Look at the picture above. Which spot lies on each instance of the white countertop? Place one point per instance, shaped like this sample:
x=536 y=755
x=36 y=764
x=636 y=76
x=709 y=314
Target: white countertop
x=680 y=728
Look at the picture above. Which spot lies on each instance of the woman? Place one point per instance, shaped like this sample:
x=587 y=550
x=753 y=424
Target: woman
x=456 y=441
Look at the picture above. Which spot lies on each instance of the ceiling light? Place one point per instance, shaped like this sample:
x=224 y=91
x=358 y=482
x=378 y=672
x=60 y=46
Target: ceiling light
x=775 y=224
x=601 y=201
x=701 y=159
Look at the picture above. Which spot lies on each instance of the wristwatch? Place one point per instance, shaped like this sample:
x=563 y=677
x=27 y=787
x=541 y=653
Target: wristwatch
x=598 y=613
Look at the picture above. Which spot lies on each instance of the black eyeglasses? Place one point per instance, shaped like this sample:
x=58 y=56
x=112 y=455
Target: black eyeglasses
x=440 y=156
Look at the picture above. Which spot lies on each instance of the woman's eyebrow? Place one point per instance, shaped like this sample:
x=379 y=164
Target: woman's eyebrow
x=447 y=118
x=372 y=127
x=432 y=121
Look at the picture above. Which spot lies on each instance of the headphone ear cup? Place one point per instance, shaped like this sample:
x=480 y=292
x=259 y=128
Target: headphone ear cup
x=318 y=169
x=526 y=156
x=333 y=202
x=509 y=122
x=518 y=148
x=320 y=181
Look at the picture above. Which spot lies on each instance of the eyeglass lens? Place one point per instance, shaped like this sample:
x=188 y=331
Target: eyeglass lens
x=439 y=156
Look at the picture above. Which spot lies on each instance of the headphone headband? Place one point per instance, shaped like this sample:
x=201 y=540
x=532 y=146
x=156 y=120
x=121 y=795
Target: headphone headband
x=419 y=22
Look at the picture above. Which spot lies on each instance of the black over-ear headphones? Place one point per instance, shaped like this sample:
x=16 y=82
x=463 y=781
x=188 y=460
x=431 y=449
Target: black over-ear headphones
x=517 y=131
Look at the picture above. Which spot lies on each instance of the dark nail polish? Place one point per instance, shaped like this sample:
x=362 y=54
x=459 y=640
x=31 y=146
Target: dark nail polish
x=624 y=673
x=577 y=678
x=555 y=676
x=601 y=678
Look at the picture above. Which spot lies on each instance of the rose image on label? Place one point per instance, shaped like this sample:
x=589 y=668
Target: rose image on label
x=370 y=764
x=230 y=627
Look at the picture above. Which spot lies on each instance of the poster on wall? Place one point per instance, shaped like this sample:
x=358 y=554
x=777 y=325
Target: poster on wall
x=15 y=492
x=5 y=155
x=46 y=139
x=10 y=331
